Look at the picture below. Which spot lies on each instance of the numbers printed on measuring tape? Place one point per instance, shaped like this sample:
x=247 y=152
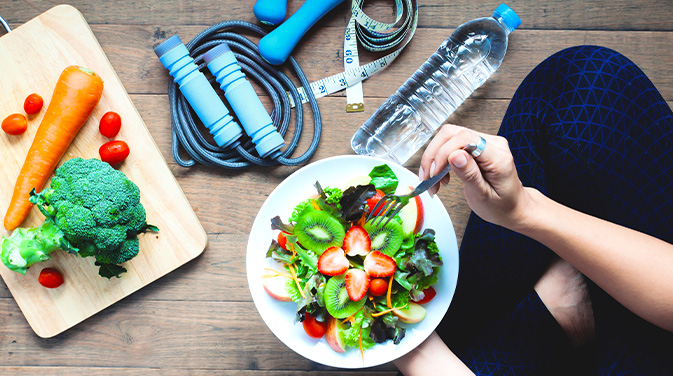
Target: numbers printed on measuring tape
x=379 y=37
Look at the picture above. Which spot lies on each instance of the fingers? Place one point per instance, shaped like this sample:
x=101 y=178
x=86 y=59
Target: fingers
x=467 y=169
x=444 y=134
x=430 y=163
x=449 y=139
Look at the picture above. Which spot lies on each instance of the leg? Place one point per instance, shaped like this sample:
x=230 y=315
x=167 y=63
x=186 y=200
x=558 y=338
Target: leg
x=588 y=129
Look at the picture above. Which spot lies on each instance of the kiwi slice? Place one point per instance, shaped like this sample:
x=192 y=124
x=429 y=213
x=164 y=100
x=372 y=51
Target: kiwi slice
x=317 y=231
x=337 y=302
x=386 y=239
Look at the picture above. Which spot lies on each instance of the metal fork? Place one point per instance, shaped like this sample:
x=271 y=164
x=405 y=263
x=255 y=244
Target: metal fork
x=390 y=205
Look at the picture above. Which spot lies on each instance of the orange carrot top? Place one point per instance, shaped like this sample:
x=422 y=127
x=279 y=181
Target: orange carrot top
x=77 y=92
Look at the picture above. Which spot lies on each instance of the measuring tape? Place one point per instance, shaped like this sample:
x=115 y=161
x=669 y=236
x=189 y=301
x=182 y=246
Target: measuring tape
x=374 y=36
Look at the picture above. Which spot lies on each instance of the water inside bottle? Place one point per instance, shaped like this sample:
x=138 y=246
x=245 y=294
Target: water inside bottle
x=409 y=118
x=401 y=127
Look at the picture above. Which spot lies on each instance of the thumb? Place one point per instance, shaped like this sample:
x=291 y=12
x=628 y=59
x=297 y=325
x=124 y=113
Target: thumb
x=468 y=171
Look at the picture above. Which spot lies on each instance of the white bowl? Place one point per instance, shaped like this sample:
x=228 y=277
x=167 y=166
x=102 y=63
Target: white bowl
x=279 y=316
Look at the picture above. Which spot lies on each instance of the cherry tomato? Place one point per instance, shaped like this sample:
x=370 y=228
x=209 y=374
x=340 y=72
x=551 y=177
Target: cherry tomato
x=114 y=152
x=378 y=286
x=282 y=240
x=110 y=124
x=371 y=202
x=33 y=104
x=50 y=278
x=15 y=124
x=313 y=327
x=429 y=294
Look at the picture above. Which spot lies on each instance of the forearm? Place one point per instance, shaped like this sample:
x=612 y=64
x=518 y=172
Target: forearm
x=432 y=357
x=631 y=266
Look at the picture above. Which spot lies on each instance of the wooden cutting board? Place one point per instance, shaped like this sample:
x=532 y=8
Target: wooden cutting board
x=31 y=59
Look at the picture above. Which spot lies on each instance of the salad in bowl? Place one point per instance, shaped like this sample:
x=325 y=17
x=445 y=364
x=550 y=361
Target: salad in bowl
x=344 y=291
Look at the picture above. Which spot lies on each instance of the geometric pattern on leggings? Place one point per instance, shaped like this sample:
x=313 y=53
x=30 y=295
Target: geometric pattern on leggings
x=608 y=132
x=587 y=128
x=604 y=139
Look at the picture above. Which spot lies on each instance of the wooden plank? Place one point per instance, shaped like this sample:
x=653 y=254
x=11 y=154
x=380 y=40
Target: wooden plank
x=168 y=334
x=553 y=14
x=130 y=51
x=62 y=37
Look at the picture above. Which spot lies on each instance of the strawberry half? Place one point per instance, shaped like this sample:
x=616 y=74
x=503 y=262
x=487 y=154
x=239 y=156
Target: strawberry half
x=333 y=261
x=378 y=264
x=357 y=284
x=357 y=242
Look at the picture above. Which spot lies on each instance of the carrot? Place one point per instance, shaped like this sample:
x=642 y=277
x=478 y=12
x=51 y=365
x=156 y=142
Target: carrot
x=77 y=92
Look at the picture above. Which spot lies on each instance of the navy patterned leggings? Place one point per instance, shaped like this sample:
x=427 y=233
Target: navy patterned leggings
x=588 y=129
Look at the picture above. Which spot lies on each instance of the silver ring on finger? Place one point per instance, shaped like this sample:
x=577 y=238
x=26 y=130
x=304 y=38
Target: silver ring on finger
x=476 y=149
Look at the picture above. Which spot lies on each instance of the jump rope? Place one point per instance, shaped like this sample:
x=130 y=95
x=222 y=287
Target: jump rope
x=186 y=133
x=231 y=57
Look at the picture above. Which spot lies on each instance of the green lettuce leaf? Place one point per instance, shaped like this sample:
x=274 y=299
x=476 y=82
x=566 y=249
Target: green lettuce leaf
x=277 y=224
x=384 y=178
x=279 y=254
x=352 y=334
x=418 y=267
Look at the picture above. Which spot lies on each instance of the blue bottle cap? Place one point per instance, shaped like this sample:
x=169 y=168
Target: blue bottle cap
x=167 y=45
x=214 y=52
x=509 y=17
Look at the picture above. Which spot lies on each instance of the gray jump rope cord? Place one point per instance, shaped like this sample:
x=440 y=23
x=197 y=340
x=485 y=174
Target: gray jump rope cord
x=186 y=133
x=5 y=24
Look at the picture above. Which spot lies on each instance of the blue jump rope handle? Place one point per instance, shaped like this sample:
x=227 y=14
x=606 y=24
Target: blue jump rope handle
x=198 y=92
x=276 y=46
x=270 y=12
x=244 y=101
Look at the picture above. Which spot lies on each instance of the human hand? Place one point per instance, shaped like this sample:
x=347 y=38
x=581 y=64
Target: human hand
x=492 y=186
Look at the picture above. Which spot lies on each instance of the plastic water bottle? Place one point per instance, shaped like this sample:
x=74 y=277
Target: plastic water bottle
x=409 y=118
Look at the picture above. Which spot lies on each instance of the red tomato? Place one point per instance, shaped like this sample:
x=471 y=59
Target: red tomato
x=114 y=152
x=313 y=327
x=110 y=124
x=375 y=199
x=429 y=294
x=378 y=286
x=15 y=124
x=282 y=240
x=50 y=278
x=33 y=104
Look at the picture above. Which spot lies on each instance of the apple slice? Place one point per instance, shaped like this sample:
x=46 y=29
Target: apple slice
x=358 y=180
x=333 y=335
x=412 y=314
x=275 y=285
x=413 y=215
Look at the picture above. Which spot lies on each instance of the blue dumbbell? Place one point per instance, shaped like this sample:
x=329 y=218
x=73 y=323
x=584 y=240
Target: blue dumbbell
x=244 y=101
x=276 y=46
x=270 y=12
x=198 y=92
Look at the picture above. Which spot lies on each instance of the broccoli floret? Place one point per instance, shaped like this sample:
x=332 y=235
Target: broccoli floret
x=128 y=249
x=91 y=209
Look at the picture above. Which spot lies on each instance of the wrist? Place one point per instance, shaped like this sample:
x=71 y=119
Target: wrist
x=527 y=215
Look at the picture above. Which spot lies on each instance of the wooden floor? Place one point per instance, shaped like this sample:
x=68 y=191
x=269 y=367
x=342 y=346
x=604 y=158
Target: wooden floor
x=200 y=319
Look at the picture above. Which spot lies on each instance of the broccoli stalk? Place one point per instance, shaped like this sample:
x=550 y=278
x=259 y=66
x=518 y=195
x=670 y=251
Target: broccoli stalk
x=27 y=246
x=91 y=209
